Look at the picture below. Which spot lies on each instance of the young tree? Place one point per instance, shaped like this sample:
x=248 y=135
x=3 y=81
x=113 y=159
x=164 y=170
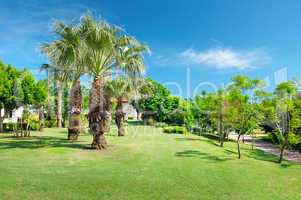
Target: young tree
x=282 y=116
x=243 y=116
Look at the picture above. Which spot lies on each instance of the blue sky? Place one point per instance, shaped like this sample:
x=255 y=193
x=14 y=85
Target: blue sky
x=193 y=42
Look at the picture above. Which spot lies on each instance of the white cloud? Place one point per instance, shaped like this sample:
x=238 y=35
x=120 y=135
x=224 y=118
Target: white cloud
x=227 y=58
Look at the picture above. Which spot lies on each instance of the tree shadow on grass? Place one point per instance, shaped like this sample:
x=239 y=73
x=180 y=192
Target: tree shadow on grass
x=135 y=123
x=201 y=155
x=261 y=155
x=40 y=142
x=189 y=139
x=198 y=139
x=258 y=154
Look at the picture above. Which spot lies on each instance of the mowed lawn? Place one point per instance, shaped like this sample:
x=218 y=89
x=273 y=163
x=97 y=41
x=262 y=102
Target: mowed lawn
x=145 y=164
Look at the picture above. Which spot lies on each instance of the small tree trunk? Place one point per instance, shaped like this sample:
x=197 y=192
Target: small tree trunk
x=222 y=140
x=238 y=147
x=119 y=115
x=1 y=122
x=221 y=130
x=41 y=118
x=281 y=154
x=49 y=101
x=253 y=140
x=59 y=104
x=75 y=108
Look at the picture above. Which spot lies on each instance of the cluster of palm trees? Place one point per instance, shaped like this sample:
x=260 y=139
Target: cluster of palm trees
x=101 y=50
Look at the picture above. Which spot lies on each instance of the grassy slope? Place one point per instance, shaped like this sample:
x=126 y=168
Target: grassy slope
x=146 y=164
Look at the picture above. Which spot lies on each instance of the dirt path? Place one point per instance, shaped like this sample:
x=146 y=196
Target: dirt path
x=271 y=148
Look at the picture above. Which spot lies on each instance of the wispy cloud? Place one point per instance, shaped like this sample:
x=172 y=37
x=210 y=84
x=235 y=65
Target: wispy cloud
x=23 y=30
x=227 y=58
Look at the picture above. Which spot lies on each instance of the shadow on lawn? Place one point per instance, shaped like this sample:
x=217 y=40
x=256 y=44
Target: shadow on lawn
x=189 y=139
x=198 y=139
x=246 y=152
x=40 y=142
x=258 y=154
x=202 y=155
x=261 y=155
x=135 y=123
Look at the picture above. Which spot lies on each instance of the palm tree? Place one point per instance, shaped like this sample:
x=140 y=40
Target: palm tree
x=60 y=76
x=119 y=89
x=105 y=45
x=66 y=51
x=143 y=89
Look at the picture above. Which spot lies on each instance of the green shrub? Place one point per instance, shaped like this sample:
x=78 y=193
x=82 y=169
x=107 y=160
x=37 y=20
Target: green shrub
x=197 y=130
x=175 y=129
x=9 y=126
x=160 y=125
x=34 y=126
x=150 y=122
x=294 y=139
x=50 y=123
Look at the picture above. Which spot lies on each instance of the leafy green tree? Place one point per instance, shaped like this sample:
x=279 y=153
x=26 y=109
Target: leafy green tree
x=8 y=78
x=282 y=116
x=242 y=115
x=40 y=100
x=159 y=101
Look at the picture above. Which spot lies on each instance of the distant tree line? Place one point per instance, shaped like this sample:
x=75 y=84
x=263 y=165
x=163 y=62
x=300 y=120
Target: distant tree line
x=243 y=107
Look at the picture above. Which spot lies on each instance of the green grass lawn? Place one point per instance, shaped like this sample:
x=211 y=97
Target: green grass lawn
x=145 y=164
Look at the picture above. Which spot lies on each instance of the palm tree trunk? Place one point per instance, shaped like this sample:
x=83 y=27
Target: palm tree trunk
x=119 y=115
x=108 y=107
x=59 y=104
x=41 y=118
x=97 y=122
x=49 y=82
x=75 y=108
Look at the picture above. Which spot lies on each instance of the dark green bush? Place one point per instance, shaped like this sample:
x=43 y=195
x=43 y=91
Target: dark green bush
x=150 y=122
x=50 y=123
x=34 y=126
x=160 y=125
x=197 y=130
x=9 y=126
x=175 y=129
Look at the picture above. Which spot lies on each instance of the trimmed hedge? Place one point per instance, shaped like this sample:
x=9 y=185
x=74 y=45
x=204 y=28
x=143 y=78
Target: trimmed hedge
x=175 y=129
x=160 y=125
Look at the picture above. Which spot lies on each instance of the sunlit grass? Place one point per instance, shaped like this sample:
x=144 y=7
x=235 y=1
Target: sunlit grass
x=145 y=164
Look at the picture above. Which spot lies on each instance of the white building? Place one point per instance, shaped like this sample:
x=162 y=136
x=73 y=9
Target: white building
x=129 y=110
x=16 y=113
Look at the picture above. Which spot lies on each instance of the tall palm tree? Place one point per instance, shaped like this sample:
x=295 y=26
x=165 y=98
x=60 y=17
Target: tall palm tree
x=66 y=51
x=104 y=44
x=60 y=76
